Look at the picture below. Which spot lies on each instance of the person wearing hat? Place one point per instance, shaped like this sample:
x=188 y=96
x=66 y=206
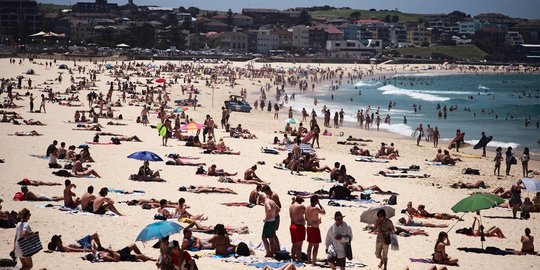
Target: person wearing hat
x=86 y=244
x=338 y=235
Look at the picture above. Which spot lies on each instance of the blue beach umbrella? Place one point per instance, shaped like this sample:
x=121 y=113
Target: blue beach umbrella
x=159 y=230
x=146 y=156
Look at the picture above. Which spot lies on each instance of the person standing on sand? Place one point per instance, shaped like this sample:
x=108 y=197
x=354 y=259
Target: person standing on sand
x=313 y=233
x=483 y=139
x=498 y=158
x=378 y=121
x=420 y=131
x=510 y=159
x=435 y=137
x=269 y=238
x=316 y=131
x=298 y=230
x=32 y=102
x=525 y=161
x=42 y=103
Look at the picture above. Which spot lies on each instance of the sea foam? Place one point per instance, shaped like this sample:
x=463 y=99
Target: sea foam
x=415 y=94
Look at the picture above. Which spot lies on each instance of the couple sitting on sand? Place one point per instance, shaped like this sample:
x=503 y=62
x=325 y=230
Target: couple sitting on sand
x=445 y=158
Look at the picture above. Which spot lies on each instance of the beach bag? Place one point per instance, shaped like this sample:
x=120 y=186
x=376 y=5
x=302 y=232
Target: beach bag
x=513 y=160
x=282 y=255
x=331 y=251
x=200 y=170
x=68 y=166
x=394 y=244
x=62 y=173
x=348 y=250
x=392 y=200
x=7 y=263
x=30 y=245
x=242 y=249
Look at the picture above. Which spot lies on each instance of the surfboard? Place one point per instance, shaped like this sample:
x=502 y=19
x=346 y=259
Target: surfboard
x=453 y=142
x=483 y=143
x=471 y=156
x=308 y=137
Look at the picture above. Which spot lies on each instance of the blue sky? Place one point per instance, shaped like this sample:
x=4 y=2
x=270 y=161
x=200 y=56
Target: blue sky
x=515 y=8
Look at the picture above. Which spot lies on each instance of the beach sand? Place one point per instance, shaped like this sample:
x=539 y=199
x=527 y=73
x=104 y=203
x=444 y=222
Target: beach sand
x=115 y=168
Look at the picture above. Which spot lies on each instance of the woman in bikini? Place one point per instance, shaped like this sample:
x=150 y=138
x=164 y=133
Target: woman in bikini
x=440 y=256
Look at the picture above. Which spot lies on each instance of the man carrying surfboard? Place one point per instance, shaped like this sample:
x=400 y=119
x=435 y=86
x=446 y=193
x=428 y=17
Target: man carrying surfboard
x=482 y=143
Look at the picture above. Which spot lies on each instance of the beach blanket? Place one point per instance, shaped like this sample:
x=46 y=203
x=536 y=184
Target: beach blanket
x=121 y=191
x=322 y=179
x=76 y=211
x=370 y=159
x=101 y=143
x=275 y=265
x=269 y=150
x=405 y=175
x=487 y=250
x=409 y=168
x=280 y=166
x=337 y=204
x=436 y=163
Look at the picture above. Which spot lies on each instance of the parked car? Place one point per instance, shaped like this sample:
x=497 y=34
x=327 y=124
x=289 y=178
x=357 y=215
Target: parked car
x=238 y=104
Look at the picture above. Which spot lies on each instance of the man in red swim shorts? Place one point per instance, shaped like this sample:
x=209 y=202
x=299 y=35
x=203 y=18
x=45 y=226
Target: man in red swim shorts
x=313 y=233
x=298 y=231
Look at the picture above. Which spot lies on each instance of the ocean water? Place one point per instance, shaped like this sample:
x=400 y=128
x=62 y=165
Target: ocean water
x=507 y=101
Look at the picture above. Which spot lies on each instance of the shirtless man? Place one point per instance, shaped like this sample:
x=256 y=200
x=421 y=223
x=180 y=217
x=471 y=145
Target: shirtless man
x=124 y=255
x=68 y=195
x=213 y=171
x=295 y=159
x=313 y=233
x=102 y=204
x=87 y=200
x=79 y=171
x=274 y=197
x=30 y=196
x=180 y=162
x=207 y=189
x=334 y=173
x=250 y=174
x=420 y=131
x=298 y=230
x=269 y=238
x=254 y=194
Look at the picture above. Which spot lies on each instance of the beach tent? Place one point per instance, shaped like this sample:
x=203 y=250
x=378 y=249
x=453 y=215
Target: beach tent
x=63 y=66
x=30 y=72
x=531 y=185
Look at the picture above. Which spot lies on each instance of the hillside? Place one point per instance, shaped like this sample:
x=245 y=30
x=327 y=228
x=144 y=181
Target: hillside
x=366 y=14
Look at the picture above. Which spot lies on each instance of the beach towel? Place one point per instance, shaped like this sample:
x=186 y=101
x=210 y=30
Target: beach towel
x=322 y=179
x=436 y=163
x=487 y=250
x=275 y=265
x=101 y=143
x=405 y=175
x=121 y=191
x=370 y=159
x=269 y=150
x=280 y=166
x=410 y=168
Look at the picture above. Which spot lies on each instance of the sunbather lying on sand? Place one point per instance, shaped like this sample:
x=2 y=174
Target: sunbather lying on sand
x=30 y=196
x=32 y=122
x=214 y=171
x=361 y=188
x=225 y=179
x=88 y=243
x=359 y=151
x=27 y=182
x=198 y=227
x=479 y=184
x=206 y=189
x=111 y=123
x=421 y=212
x=502 y=193
x=472 y=231
x=402 y=175
x=27 y=133
x=401 y=231
x=122 y=255
x=350 y=143
x=408 y=220
x=352 y=139
x=182 y=162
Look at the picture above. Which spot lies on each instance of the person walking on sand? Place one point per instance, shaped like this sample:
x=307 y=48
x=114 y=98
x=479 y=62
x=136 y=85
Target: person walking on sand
x=420 y=131
x=23 y=230
x=384 y=228
x=339 y=234
x=298 y=230
x=42 y=103
x=313 y=233
x=525 y=157
x=32 y=102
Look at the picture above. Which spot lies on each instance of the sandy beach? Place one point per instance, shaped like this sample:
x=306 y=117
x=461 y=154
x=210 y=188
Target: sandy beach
x=115 y=168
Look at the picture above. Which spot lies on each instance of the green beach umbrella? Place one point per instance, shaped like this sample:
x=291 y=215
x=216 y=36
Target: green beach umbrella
x=477 y=202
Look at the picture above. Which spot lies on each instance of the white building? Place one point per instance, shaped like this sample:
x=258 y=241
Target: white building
x=300 y=36
x=267 y=41
x=353 y=48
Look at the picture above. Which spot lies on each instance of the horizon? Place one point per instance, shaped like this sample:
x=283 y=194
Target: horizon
x=527 y=9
